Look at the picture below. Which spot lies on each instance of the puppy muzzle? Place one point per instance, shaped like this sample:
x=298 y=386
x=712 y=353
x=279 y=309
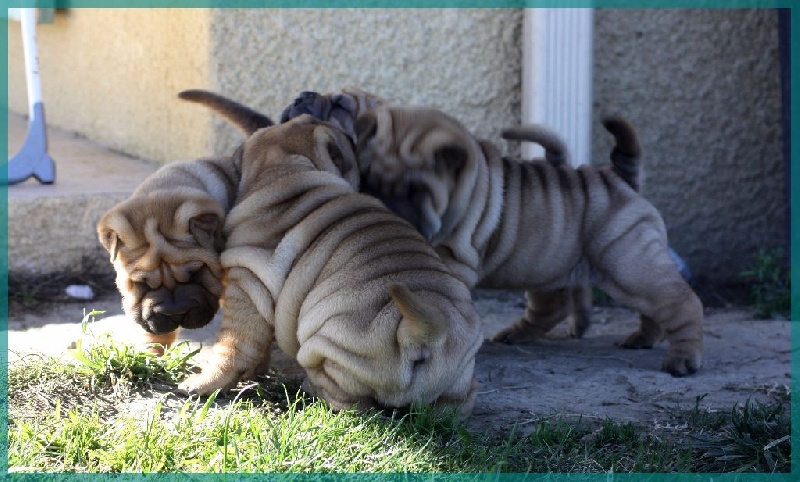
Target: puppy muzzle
x=187 y=306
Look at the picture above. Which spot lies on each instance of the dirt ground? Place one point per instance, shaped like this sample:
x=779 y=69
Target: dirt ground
x=590 y=378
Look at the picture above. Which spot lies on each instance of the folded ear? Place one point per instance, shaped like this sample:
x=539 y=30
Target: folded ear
x=423 y=324
x=206 y=229
x=366 y=128
x=110 y=240
x=342 y=155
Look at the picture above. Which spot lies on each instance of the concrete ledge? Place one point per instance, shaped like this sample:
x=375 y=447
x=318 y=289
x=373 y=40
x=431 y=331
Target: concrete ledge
x=51 y=228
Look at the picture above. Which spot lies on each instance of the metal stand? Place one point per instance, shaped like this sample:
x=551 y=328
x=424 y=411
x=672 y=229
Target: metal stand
x=32 y=159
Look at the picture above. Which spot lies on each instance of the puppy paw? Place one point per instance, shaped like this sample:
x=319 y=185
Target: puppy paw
x=638 y=341
x=205 y=383
x=518 y=334
x=682 y=365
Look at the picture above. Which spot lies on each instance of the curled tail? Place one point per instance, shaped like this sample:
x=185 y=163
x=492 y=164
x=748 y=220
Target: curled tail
x=625 y=157
x=555 y=151
x=243 y=117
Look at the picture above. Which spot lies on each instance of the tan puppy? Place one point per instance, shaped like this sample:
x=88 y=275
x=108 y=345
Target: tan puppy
x=503 y=223
x=350 y=290
x=165 y=242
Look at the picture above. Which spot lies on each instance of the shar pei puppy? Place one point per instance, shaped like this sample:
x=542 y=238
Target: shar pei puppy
x=505 y=223
x=353 y=292
x=165 y=242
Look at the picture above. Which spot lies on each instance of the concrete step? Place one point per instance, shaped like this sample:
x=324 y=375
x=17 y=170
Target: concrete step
x=51 y=228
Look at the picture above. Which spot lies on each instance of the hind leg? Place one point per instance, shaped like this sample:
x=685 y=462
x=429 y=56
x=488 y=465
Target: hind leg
x=580 y=310
x=643 y=276
x=244 y=340
x=544 y=311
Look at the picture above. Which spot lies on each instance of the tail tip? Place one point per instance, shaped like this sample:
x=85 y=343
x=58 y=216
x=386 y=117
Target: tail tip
x=190 y=94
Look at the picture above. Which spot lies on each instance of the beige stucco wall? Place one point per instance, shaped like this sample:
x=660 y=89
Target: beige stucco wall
x=703 y=89
x=465 y=61
x=112 y=75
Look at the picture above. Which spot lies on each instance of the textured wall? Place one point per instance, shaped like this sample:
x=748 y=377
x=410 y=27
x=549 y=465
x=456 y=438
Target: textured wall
x=702 y=87
x=464 y=61
x=112 y=76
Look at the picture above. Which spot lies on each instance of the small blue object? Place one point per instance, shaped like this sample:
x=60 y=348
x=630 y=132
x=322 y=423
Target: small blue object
x=683 y=268
x=33 y=159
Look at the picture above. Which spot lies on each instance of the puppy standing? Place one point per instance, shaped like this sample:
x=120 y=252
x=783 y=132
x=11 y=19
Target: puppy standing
x=350 y=290
x=502 y=223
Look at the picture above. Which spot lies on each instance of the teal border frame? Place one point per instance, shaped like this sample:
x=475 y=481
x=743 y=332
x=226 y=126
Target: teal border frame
x=608 y=477
x=4 y=263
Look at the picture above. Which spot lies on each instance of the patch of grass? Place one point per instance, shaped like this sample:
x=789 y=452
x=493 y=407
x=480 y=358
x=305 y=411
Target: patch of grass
x=752 y=437
x=106 y=361
x=238 y=438
x=769 y=275
x=103 y=413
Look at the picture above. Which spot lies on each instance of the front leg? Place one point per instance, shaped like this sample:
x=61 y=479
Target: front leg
x=158 y=343
x=244 y=339
x=544 y=311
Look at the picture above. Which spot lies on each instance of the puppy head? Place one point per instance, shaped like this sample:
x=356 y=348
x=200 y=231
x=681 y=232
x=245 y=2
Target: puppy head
x=421 y=163
x=340 y=109
x=165 y=250
x=427 y=357
x=327 y=147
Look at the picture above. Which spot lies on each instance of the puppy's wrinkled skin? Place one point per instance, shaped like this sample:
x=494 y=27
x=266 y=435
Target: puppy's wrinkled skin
x=340 y=109
x=165 y=241
x=507 y=224
x=349 y=289
x=546 y=309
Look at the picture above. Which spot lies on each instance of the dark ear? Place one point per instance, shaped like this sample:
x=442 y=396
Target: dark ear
x=236 y=159
x=366 y=128
x=110 y=240
x=450 y=158
x=206 y=230
x=344 y=161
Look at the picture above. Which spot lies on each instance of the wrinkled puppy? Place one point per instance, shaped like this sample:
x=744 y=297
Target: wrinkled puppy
x=165 y=241
x=503 y=223
x=349 y=289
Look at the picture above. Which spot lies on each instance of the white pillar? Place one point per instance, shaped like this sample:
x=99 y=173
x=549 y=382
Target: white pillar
x=557 y=76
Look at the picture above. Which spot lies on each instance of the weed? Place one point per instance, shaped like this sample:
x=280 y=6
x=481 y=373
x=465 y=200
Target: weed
x=770 y=292
x=106 y=361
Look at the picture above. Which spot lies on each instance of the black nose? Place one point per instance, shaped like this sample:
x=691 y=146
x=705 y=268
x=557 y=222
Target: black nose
x=166 y=316
x=171 y=310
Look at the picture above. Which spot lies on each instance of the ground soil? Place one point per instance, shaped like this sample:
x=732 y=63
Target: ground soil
x=591 y=378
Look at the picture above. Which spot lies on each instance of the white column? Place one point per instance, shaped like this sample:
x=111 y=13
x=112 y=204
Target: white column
x=557 y=76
